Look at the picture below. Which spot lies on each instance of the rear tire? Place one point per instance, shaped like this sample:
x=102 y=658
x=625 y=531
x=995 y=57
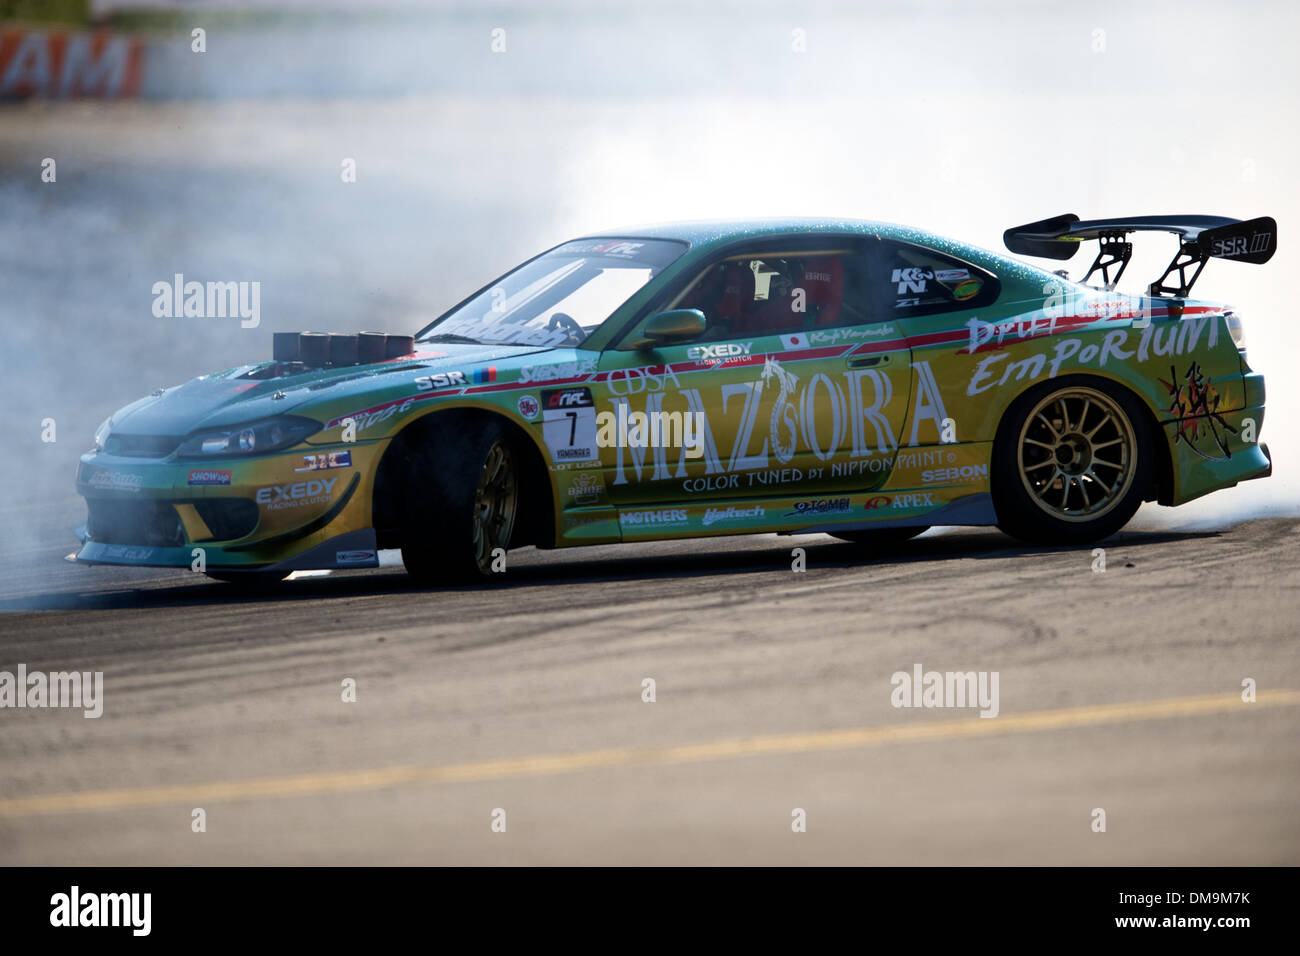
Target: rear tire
x=1072 y=462
x=459 y=501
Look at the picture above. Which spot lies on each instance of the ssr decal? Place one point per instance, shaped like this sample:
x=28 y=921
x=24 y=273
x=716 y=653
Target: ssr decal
x=427 y=383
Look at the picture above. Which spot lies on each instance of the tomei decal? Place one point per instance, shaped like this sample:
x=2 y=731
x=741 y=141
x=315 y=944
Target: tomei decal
x=322 y=461
x=208 y=477
x=569 y=424
x=296 y=495
x=427 y=383
x=1164 y=339
x=821 y=506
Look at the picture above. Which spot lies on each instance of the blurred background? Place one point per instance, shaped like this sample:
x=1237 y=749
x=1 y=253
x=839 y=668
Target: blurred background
x=483 y=132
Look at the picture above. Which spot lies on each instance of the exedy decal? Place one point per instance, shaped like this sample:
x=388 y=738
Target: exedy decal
x=298 y=494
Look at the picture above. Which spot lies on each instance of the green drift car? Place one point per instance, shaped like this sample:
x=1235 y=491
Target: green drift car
x=854 y=378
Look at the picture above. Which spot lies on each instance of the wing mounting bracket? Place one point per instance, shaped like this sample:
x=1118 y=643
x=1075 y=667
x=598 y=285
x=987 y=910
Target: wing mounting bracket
x=1113 y=250
x=1189 y=254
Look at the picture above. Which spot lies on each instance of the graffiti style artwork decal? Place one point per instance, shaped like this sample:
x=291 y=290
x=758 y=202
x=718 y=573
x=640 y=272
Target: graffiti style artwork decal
x=1196 y=405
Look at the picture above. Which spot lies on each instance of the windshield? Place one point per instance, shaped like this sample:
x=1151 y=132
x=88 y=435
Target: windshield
x=560 y=298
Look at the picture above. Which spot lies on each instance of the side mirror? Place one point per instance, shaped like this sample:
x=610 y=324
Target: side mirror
x=675 y=325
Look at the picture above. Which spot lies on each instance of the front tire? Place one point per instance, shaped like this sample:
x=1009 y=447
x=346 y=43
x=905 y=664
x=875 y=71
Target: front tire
x=1072 y=462
x=460 y=499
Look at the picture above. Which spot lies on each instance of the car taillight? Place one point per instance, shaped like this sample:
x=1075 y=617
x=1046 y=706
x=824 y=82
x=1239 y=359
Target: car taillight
x=1236 y=330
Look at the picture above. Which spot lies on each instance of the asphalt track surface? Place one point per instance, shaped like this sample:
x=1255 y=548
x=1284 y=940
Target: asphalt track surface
x=1119 y=690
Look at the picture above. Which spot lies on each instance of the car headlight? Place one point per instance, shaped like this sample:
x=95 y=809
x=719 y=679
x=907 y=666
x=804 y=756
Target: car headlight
x=1236 y=329
x=101 y=434
x=252 y=438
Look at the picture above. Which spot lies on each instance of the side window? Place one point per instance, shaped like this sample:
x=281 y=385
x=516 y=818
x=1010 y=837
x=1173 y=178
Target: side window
x=774 y=294
x=915 y=280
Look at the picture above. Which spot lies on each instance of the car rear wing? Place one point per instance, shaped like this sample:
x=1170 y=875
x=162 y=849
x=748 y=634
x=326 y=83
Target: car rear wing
x=1201 y=238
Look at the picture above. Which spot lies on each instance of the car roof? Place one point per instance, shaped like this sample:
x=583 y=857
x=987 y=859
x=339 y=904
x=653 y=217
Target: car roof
x=706 y=233
x=702 y=231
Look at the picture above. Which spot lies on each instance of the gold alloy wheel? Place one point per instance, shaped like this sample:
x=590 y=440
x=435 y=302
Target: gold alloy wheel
x=495 y=503
x=1077 y=454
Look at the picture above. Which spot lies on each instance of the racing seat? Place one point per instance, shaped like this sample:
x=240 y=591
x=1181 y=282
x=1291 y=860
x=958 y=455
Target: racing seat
x=823 y=281
x=723 y=297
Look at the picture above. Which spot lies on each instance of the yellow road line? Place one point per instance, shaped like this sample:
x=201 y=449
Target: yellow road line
x=355 y=781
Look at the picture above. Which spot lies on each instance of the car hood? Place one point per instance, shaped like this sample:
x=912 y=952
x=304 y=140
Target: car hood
x=247 y=392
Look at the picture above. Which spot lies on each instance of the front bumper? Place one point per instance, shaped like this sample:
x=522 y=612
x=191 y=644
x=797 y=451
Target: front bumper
x=295 y=510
